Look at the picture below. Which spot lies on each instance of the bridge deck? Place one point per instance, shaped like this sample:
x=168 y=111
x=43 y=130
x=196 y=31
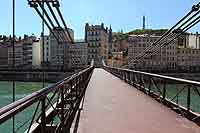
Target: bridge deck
x=112 y=106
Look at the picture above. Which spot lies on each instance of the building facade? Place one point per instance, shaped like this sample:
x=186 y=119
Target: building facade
x=182 y=54
x=117 y=59
x=193 y=41
x=188 y=53
x=119 y=45
x=44 y=50
x=27 y=53
x=97 y=37
x=19 y=59
x=78 y=54
x=31 y=52
x=23 y=52
x=188 y=59
x=36 y=54
x=59 y=49
x=163 y=59
x=3 y=55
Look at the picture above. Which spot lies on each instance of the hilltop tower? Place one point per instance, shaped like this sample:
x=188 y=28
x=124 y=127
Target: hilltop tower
x=144 y=23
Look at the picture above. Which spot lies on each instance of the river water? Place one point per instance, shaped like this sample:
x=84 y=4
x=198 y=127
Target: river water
x=22 y=89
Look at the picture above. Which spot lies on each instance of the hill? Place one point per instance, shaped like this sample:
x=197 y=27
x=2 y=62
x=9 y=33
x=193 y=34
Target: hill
x=157 y=32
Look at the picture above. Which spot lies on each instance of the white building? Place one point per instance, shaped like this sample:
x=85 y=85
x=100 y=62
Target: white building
x=36 y=54
x=193 y=41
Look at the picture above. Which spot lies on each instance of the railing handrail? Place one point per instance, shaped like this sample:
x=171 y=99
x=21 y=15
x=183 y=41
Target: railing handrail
x=36 y=96
x=159 y=87
x=159 y=76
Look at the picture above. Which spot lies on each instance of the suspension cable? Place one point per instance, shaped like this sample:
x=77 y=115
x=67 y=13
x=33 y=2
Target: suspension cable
x=167 y=35
x=13 y=61
x=43 y=49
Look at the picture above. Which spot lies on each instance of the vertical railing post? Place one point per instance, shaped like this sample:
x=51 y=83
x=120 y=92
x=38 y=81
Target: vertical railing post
x=140 y=81
x=125 y=76
x=77 y=86
x=188 y=98
x=81 y=82
x=134 y=78
x=117 y=73
x=62 y=107
x=71 y=94
x=122 y=75
x=129 y=77
x=164 y=90
x=149 y=91
x=43 y=115
x=143 y=82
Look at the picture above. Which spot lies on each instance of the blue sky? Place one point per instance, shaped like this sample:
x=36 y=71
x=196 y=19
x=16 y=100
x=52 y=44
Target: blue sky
x=121 y=14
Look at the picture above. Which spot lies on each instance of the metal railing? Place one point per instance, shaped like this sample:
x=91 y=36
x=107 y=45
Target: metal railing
x=52 y=109
x=181 y=95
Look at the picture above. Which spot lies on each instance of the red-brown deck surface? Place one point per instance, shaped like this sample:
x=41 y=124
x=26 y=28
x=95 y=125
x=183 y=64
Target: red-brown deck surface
x=112 y=106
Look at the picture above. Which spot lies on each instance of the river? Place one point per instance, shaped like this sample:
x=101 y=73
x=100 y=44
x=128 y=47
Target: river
x=22 y=89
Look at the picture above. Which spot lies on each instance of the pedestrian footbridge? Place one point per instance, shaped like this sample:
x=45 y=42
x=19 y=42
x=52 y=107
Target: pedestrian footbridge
x=110 y=100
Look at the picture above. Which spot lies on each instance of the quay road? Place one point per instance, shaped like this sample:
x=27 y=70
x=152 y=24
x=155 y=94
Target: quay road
x=113 y=106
